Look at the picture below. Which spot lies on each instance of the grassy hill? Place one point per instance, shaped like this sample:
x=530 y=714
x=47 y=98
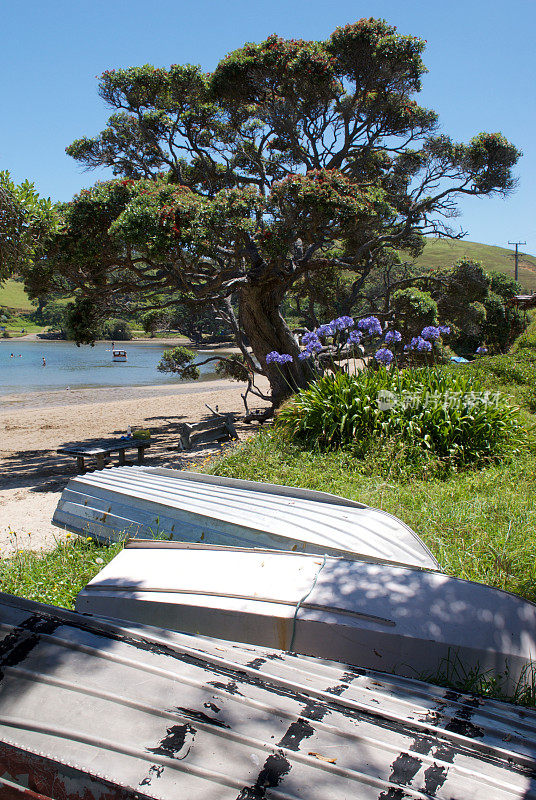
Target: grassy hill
x=444 y=253
x=12 y=295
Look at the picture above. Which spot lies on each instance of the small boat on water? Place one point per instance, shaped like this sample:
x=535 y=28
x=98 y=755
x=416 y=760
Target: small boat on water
x=119 y=355
x=149 y=503
x=89 y=710
x=407 y=621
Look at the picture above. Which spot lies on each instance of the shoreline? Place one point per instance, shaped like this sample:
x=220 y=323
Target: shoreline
x=55 y=398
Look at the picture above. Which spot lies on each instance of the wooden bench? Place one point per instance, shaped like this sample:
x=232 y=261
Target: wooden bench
x=100 y=450
x=219 y=429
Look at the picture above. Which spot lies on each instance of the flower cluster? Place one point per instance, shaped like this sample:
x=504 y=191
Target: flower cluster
x=444 y=330
x=370 y=325
x=342 y=323
x=278 y=358
x=384 y=355
x=354 y=337
x=430 y=333
x=328 y=329
x=393 y=337
x=312 y=344
x=419 y=344
x=482 y=350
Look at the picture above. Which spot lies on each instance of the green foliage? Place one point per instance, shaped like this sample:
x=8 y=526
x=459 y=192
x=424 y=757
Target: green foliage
x=83 y=323
x=154 y=320
x=179 y=361
x=26 y=221
x=117 y=329
x=517 y=369
x=439 y=412
x=233 y=367
x=52 y=314
x=413 y=310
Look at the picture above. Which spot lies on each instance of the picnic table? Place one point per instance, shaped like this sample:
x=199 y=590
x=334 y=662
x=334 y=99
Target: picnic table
x=100 y=450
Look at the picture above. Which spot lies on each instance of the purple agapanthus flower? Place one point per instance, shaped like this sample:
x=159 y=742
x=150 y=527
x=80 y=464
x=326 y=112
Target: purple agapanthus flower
x=370 y=325
x=384 y=355
x=310 y=336
x=354 y=337
x=393 y=336
x=342 y=323
x=304 y=354
x=431 y=333
x=278 y=358
x=326 y=330
x=420 y=344
x=314 y=347
x=482 y=350
x=444 y=330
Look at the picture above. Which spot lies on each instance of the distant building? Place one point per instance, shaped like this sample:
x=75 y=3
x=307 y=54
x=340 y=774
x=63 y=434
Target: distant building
x=523 y=301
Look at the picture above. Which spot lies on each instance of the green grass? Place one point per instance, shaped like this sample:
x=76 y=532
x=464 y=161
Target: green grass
x=479 y=524
x=57 y=576
x=445 y=253
x=12 y=295
x=16 y=324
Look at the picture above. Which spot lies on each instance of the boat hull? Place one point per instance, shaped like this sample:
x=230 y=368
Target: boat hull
x=401 y=620
x=92 y=710
x=151 y=503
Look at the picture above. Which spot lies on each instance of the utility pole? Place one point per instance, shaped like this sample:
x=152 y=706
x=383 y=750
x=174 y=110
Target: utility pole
x=516 y=256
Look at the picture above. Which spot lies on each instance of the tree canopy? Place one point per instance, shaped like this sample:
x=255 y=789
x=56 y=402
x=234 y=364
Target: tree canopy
x=291 y=157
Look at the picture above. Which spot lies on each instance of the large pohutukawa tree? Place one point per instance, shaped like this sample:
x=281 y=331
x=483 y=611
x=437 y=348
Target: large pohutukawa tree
x=290 y=157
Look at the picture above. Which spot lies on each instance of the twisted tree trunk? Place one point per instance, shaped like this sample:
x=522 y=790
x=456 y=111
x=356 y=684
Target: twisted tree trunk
x=261 y=320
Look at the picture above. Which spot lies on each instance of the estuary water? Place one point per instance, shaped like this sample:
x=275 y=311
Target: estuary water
x=69 y=366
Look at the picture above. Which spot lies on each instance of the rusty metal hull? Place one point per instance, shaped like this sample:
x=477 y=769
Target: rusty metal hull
x=401 y=620
x=149 y=503
x=90 y=710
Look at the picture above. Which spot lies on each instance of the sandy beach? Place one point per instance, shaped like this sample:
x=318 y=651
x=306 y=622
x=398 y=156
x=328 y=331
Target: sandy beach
x=34 y=425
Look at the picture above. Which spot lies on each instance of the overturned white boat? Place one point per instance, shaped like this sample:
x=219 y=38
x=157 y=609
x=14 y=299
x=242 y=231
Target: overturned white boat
x=93 y=710
x=151 y=503
x=407 y=621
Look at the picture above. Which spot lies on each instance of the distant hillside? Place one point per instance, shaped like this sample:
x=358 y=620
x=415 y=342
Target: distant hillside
x=444 y=253
x=12 y=295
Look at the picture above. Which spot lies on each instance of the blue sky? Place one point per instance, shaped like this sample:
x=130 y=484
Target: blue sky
x=480 y=58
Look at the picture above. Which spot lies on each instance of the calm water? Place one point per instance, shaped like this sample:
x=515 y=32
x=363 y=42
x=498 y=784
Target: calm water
x=82 y=367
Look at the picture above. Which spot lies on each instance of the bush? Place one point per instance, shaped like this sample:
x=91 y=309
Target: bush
x=413 y=310
x=180 y=362
x=431 y=411
x=117 y=329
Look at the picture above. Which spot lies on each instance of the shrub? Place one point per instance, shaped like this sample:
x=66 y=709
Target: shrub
x=180 y=362
x=444 y=414
x=413 y=310
x=117 y=329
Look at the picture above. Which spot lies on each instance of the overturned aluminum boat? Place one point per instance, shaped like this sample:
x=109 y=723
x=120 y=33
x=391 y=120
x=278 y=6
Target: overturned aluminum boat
x=149 y=503
x=91 y=710
x=406 y=621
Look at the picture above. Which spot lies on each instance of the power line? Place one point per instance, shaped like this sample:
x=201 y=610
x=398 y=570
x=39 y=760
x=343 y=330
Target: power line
x=516 y=257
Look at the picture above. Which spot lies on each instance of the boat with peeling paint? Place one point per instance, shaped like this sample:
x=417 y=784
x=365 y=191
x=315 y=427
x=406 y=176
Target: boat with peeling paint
x=406 y=621
x=92 y=710
x=150 y=502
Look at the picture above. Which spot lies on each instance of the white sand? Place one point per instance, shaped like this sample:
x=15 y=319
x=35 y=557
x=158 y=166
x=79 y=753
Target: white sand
x=32 y=474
